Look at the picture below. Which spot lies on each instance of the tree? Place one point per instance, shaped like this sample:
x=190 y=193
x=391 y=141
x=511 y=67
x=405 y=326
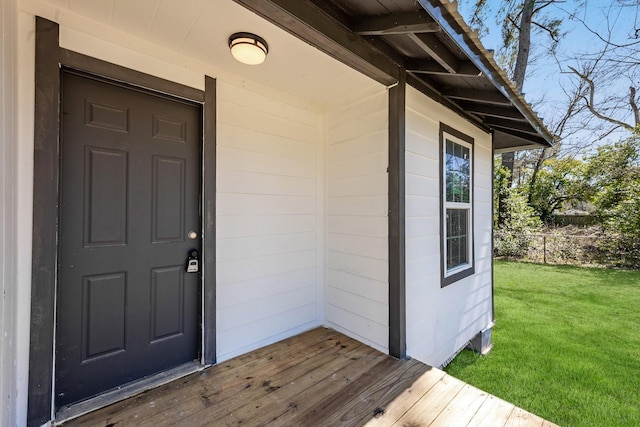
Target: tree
x=520 y=21
x=613 y=174
x=515 y=221
x=559 y=181
x=606 y=75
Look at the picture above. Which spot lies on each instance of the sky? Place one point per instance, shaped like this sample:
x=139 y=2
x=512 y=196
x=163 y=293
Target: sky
x=544 y=82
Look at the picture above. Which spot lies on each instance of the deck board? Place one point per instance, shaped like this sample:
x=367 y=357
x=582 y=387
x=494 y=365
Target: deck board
x=429 y=406
x=318 y=378
x=493 y=412
x=462 y=409
x=173 y=397
x=389 y=414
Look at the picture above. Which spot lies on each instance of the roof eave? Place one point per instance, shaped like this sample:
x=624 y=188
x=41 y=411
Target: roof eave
x=468 y=42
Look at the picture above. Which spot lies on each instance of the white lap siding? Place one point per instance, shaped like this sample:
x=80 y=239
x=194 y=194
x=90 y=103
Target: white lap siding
x=8 y=214
x=267 y=221
x=440 y=321
x=357 y=248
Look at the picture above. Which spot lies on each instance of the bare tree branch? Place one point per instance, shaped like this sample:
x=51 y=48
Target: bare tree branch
x=552 y=34
x=590 y=102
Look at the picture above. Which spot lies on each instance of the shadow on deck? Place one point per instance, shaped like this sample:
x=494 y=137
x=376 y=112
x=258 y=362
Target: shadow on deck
x=319 y=378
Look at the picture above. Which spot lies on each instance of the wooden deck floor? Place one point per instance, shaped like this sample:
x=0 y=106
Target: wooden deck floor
x=319 y=378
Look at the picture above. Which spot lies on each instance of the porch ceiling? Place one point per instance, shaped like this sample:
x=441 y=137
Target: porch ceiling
x=430 y=41
x=199 y=30
x=427 y=38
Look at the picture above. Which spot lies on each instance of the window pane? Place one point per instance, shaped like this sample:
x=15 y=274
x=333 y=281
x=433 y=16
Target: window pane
x=457 y=234
x=457 y=172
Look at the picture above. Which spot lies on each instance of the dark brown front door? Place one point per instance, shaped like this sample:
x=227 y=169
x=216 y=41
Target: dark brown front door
x=130 y=185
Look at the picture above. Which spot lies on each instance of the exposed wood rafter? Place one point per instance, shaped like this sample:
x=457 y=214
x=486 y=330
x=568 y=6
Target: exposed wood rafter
x=436 y=50
x=510 y=125
x=483 y=96
x=429 y=66
x=492 y=111
x=400 y=23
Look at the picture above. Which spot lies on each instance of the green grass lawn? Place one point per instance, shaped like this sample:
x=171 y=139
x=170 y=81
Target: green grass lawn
x=566 y=344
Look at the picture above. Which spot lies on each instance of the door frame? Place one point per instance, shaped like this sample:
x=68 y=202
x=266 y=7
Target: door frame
x=50 y=59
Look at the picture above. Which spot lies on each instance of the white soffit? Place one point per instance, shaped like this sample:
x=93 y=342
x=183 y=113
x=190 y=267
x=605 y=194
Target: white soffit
x=199 y=29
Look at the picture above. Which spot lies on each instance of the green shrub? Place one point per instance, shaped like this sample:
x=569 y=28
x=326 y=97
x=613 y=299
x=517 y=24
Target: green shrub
x=519 y=223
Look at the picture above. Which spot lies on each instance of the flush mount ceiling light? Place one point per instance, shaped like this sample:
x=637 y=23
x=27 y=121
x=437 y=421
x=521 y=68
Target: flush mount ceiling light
x=248 y=48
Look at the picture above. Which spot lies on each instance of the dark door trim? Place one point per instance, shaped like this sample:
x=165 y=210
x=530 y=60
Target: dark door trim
x=48 y=62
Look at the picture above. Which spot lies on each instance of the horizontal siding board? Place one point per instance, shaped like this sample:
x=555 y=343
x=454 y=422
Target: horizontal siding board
x=420 y=185
x=421 y=165
x=422 y=247
x=254 y=311
x=362 y=145
x=362 y=306
x=244 y=338
x=358 y=226
x=358 y=206
x=368 y=185
x=376 y=290
x=252 y=140
x=358 y=112
x=422 y=146
x=373 y=247
x=243 y=182
x=236 y=293
x=423 y=226
x=368 y=165
x=256 y=246
x=421 y=122
x=372 y=125
x=251 y=224
x=274 y=164
x=264 y=122
x=424 y=270
x=371 y=268
x=422 y=206
x=482 y=194
x=261 y=204
x=253 y=268
x=267 y=104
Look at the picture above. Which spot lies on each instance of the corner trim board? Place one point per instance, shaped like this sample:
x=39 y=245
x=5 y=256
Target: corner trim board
x=397 y=247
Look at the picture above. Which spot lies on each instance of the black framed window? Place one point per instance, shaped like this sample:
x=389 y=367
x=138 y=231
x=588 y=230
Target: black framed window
x=456 y=168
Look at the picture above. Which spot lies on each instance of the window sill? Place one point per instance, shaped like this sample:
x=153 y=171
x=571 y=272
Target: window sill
x=458 y=275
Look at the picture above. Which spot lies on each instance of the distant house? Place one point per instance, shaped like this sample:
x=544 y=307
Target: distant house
x=346 y=181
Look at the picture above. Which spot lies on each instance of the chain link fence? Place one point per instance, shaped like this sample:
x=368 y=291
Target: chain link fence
x=555 y=248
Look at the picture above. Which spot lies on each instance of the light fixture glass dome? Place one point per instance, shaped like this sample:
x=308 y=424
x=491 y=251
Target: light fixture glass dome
x=248 y=48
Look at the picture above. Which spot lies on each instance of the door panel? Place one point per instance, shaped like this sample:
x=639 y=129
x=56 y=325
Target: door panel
x=130 y=186
x=105 y=197
x=103 y=315
x=168 y=199
x=167 y=290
